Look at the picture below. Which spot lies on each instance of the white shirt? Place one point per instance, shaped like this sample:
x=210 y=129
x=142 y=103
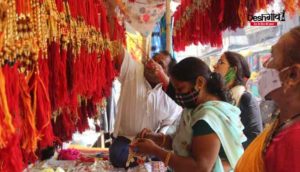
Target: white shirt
x=139 y=105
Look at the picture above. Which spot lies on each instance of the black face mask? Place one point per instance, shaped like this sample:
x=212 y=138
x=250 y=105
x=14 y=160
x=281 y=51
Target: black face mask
x=188 y=100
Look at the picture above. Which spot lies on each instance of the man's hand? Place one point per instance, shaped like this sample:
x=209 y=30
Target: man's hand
x=156 y=73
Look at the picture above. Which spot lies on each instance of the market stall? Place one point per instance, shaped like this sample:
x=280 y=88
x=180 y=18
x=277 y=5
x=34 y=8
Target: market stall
x=57 y=67
x=57 y=62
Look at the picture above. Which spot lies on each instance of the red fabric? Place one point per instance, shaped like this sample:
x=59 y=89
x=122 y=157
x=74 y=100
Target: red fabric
x=283 y=153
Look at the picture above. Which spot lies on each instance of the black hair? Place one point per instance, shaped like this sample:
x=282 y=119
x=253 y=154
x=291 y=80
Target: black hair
x=173 y=61
x=238 y=62
x=191 y=68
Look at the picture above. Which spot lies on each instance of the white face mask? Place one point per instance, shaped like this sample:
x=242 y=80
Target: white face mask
x=269 y=81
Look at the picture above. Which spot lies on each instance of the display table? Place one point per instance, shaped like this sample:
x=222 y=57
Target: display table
x=100 y=163
x=97 y=166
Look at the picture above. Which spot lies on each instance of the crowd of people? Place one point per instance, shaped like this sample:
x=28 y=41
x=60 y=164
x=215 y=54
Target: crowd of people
x=218 y=122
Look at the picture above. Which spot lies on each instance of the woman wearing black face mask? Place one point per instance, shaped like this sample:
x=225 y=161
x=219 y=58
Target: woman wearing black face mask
x=209 y=136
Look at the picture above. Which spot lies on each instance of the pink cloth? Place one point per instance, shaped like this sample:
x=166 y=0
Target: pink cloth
x=283 y=154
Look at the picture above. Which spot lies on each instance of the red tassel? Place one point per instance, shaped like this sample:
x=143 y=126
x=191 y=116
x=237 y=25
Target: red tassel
x=231 y=17
x=23 y=7
x=6 y=128
x=82 y=123
x=110 y=74
x=104 y=25
x=100 y=80
x=73 y=8
x=58 y=80
x=11 y=156
x=59 y=5
x=64 y=126
x=43 y=110
x=71 y=76
x=104 y=79
x=290 y=6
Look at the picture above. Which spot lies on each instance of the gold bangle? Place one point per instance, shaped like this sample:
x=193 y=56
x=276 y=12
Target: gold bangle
x=167 y=159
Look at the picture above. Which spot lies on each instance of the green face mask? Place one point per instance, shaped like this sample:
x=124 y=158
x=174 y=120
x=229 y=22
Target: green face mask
x=230 y=75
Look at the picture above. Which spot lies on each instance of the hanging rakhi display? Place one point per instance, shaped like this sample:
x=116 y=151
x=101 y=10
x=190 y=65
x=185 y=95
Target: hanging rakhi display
x=57 y=64
x=205 y=26
x=197 y=22
x=291 y=6
x=3 y=21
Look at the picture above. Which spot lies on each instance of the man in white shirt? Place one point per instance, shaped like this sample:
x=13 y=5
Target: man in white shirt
x=143 y=102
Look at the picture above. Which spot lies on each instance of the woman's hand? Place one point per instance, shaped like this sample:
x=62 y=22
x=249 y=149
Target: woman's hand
x=146 y=133
x=144 y=146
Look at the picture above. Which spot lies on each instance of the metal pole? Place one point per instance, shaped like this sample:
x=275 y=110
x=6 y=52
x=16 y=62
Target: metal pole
x=168 y=26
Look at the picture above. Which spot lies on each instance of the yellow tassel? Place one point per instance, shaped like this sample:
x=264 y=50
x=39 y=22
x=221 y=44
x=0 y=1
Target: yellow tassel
x=8 y=128
x=30 y=136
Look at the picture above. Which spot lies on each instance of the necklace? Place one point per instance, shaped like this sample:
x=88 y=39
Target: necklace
x=276 y=128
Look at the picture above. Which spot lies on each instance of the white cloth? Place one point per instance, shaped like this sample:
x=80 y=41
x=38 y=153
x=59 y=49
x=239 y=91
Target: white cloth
x=237 y=92
x=224 y=120
x=139 y=105
x=144 y=14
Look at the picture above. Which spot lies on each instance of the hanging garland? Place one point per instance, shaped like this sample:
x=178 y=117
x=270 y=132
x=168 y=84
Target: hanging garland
x=57 y=62
x=186 y=11
x=205 y=26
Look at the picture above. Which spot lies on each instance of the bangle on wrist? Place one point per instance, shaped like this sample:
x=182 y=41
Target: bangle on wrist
x=167 y=159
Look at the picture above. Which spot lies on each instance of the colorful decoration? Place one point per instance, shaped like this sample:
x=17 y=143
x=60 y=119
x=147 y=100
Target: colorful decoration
x=198 y=24
x=56 y=68
x=204 y=21
x=142 y=15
